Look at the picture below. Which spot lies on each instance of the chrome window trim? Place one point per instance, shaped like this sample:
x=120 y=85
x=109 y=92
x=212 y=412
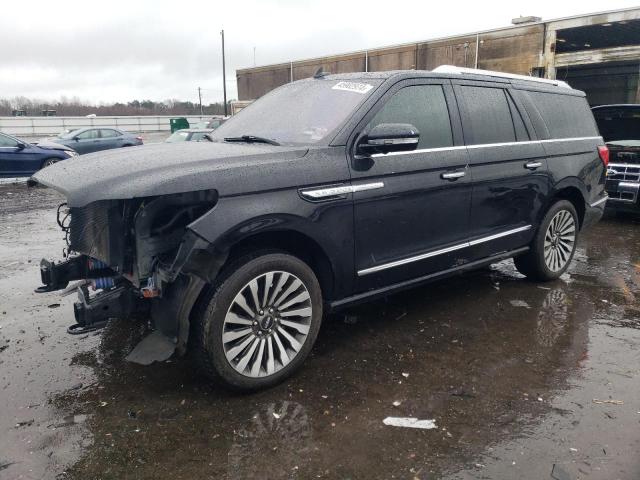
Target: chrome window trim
x=441 y=251
x=484 y=145
x=319 y=193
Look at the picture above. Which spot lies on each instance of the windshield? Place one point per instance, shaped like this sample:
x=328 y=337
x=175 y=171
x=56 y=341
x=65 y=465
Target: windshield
x=299 y=113
x=619 y=124
x=179 y=136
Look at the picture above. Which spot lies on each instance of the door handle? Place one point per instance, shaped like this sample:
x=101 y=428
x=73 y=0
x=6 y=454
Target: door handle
x=533 y=165
x=452 y=175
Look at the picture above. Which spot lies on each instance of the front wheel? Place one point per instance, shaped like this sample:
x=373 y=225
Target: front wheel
x=48 y=162
x=554 y=244
x=257 y=324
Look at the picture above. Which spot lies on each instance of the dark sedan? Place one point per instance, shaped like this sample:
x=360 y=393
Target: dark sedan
x=21 y=159
x=87 y=140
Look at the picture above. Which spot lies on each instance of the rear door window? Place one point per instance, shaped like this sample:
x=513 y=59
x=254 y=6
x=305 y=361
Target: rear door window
x=424 y=107
x=108 y=133
x=566 y=116
x=488 y=116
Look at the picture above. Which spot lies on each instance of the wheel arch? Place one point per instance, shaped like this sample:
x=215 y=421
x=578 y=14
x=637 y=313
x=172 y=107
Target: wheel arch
x=574 y=191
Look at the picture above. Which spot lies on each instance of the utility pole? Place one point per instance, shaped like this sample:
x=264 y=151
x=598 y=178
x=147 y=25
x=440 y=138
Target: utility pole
x=200 y=99
x=224 y=76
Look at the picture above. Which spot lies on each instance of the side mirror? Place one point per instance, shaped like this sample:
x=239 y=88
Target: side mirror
x=21 y=146
x=76 y=139
x=390 y=137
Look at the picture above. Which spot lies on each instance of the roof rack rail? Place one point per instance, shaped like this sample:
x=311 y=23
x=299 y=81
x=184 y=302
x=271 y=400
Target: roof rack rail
x=490 y=73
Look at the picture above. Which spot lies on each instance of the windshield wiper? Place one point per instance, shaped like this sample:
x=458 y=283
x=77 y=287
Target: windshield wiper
x=251 y=139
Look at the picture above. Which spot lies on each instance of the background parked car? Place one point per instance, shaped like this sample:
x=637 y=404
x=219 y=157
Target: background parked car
x=19 y=158
x=620 y=127
x=189 y=135
x=87 y=140
x=211 y=123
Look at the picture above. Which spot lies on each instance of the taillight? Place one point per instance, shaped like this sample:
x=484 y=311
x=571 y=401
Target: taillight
x=603 y=151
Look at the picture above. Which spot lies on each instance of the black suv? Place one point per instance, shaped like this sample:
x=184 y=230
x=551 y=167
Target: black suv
x=620 y=128
x=324 y=193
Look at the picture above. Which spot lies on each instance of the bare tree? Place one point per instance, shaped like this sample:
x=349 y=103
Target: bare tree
x=75 y=107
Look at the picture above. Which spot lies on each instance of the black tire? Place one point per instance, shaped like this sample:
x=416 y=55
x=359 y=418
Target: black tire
x=48 y=162
x=208 y=321
x=533 y=264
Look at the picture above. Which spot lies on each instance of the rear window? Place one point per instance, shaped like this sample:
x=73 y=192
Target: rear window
x=566 y=116
x=619 y=124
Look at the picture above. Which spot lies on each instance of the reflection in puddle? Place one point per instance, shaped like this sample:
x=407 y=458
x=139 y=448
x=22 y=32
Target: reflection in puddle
x=275 y=440
x=552 y=318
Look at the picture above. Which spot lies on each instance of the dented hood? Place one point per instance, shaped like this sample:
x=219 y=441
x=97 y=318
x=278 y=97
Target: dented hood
x=163 y=169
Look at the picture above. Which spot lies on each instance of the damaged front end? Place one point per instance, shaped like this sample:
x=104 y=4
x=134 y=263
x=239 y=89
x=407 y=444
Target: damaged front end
x=135 y=256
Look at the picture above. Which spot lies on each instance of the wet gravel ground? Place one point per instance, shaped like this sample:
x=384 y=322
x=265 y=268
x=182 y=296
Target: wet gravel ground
x=523 y=380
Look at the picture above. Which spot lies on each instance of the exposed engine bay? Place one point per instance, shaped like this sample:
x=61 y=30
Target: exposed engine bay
x=128 y=255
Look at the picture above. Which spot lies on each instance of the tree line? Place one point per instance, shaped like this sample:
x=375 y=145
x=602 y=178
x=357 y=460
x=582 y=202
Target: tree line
x=76 y=107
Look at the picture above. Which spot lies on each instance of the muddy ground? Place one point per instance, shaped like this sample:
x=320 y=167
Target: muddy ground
x=523 y=380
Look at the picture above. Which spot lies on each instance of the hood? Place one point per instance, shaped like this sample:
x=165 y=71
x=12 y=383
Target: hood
x=50 y=145
x=167 y=168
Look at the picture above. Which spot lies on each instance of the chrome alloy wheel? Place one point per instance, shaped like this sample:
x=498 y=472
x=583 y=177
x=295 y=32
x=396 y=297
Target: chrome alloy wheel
x=267 y=324
x=559 y=240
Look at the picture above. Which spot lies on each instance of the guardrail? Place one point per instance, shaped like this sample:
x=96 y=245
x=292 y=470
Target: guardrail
x=37 y=126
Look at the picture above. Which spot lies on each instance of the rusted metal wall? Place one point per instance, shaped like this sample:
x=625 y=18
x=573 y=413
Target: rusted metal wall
x=395 y=58
x=514 y=49
x=517 y=50
x=336 y=64
x=459 y=51
x=255 y=82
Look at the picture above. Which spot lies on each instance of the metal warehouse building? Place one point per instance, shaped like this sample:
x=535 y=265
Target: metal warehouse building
x=598 y=53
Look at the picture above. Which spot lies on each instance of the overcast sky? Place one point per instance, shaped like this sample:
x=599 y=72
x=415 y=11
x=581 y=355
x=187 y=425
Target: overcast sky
x=145 y=49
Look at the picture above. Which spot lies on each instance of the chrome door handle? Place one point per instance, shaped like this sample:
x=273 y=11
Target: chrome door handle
x=533 y=165
x=452 y=175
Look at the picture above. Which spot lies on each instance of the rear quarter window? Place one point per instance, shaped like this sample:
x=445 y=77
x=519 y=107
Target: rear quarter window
x=566 y=116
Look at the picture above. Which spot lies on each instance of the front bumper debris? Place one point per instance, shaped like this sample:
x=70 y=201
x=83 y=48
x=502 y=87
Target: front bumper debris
x=92 y=313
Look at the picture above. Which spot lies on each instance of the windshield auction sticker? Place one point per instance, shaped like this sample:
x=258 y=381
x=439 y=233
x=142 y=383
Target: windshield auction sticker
x=353 y=87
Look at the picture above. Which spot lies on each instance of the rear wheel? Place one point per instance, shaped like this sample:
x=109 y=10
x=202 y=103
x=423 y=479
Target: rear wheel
x=257 y=324
x=554 y=244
